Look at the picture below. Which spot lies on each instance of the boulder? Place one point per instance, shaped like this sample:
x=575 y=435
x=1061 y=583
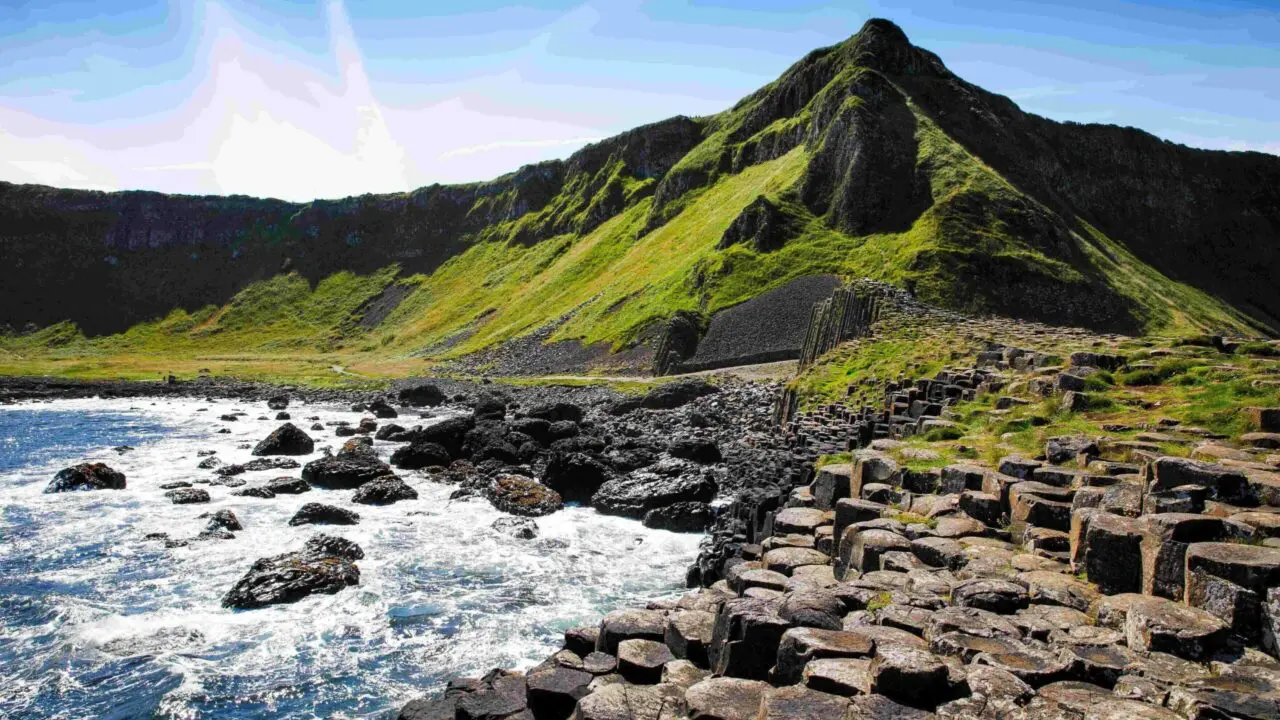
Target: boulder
x=278 y=402
x=636 y=493
x=188 y=496
x=520 y=528
x=556 y=412
x=320 y=514
x=1068 y=448
x=699 y=450
x=385 y=490
x=292 y=576
x=1155 y=624
x=909 y=675
x=287 y=439
x=420 y=454
x=222 y=520
x=345 y=471
x=86 y=476
x=287 y=486
x=685 y=517
x=641 y=661
x=576 y=476
x=520 y=495
x=1003 y=597
x=423 y=394
x=677 y=394
x=382 y=409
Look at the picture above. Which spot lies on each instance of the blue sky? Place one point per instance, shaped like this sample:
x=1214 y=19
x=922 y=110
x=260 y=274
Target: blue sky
x=319 y=98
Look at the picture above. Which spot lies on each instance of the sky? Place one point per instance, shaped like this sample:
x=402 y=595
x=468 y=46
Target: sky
x=304 y=99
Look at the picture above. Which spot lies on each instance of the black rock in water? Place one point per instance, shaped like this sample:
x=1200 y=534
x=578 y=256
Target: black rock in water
x=288 y=486
x=287 y=439
x=689 y=517
x=257 y=492
x=382 y=409
x=386 y=432
x=521 y=496
x=344 y=471
x=278 y=402
x=663 y=484
x=282 y=415
x=188 y=496
x=323 y=545
x=384 y=491
x=222 y=519
x=320 y=514
x=292 y=576
x=175 y=485
x=575 y=476
x=419 y=455
x=520 y=528
x=86 y=476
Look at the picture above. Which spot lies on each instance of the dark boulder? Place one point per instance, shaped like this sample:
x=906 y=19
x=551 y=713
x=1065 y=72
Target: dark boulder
x=344 y=471
x=699 y=450
x=388 y=431
x=425 y=394
x=222 y=520
x=384 y=491
x=287 y=486
x=320 y=514
x=677 y=394
x=681 y=517
x=575 y=476
x=278 y=402
x=292 y=576
x=188 y=496
x=490 y=407
x=282 y=415
x=521 y=528
x=449 y=434
x=635 y=494
x=287 y=439
x=382 y=409
x=86 y=476
x=419 y=455
x=257 y=492
x=536 y=428
x=331 y=545
x=522 y=496
x=631 y=459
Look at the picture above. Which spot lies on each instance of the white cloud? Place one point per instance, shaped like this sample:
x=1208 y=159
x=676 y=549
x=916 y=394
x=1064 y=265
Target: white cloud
x=503 y=144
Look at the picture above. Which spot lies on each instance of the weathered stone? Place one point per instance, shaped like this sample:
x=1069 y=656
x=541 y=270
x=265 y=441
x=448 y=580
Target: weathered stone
x=287 y=439
x=683 y=673
x=800 y=645
x=725 y=698
x=1158 y=625
x=86 y=476
x=999 y=596
x=1052 y=588
x=832 y=483
x=618 y=701
x=688 y=634
x=746 y=638
x=554 y=693
x=1113 y=553
x=785 y=560
x=629 y=624
x=797 y=702
x=860 y=550
x=641 y=661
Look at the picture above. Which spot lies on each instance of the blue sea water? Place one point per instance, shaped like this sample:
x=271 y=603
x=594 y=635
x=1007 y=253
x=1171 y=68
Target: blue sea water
x=96 y=622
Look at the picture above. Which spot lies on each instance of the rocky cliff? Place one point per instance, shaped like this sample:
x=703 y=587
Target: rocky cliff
x=870 y=156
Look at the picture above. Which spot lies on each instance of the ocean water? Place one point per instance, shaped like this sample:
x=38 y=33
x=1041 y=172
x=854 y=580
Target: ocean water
x=95 y=622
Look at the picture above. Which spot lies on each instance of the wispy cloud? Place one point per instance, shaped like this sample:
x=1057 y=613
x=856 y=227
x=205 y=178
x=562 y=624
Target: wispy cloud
x=504 y=144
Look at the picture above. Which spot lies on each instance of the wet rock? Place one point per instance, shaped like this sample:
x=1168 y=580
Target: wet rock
x=256 y=492
x=86 y=476
x=382 y=409
x=522 y=496
x=188 y=496
x=686 y=517
x=265 y=463
x=323 y=545
x=419 y=455
x=520 y=528
x=384 y=491
x=576 y=476
x=209 y=463
x=278 y=402
x=287 y=439
x=699 y=450
x=287 y=486
x=388 y=432
x=344 y=471
x=635 y=494
x=424 y=394
x=175 y=485
x=320 y=514
x=292 y=576
x=222 y=519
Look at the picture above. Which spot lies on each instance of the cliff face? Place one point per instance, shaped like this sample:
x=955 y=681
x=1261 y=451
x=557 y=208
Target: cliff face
x=969 y=201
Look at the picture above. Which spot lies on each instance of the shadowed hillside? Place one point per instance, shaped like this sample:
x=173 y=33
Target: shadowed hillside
x=865 y=159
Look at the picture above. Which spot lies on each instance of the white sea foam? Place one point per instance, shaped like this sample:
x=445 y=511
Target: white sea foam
x=441 y=594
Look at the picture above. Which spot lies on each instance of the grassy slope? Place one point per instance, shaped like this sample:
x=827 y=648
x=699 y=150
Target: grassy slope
x=611 y=283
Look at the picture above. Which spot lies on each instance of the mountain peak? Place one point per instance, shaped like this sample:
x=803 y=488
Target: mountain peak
x=882 y=45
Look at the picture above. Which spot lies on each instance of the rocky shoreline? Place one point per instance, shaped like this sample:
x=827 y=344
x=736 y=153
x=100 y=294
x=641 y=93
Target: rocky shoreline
x=1103 y=579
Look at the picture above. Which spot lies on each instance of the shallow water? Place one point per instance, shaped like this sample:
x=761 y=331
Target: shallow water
x=96 y=622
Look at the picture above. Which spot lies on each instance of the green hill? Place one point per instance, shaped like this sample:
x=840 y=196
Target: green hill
x=865 y=159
